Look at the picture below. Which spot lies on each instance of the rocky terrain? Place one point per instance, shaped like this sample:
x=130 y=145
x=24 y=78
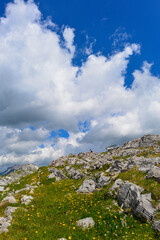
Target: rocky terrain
x=129 y=174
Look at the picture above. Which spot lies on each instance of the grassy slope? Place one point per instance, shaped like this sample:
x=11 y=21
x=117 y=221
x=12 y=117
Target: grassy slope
x=57 y=207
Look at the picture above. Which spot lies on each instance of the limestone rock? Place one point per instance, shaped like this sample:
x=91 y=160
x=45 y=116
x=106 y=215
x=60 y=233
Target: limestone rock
x=154 y=173
x=88 y=186
x=156 y=225
x=5 y=222
x=143 y=164
x=118 y=166
x=1 y=189
x=9 y=199
x=9 y=210
x=86 y=223
x=75 y=174
x=52 y=175
x=130 y=197
x=145 y=141
x=26 y=199
x=56 y=173
x=115 y=188
x=102 y=181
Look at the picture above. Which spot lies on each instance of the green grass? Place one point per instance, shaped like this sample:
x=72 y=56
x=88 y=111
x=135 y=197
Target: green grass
x=57 y=207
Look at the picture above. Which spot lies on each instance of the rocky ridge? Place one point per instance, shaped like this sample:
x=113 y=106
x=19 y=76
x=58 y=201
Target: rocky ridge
x=142 y=154
x=98 y=170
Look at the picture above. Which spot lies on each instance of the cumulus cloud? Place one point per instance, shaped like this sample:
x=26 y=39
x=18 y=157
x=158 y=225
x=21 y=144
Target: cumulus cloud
x=41 y=87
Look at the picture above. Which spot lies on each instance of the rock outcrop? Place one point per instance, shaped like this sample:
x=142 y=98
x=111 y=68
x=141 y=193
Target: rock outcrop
x=149 y=140
x=130 y=198
x=86 y=223
x=88 y=186
x=154 y=173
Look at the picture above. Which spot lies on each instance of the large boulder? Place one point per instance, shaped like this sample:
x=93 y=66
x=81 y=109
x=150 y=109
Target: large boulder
x=88 y=186
x=143 y=164
x=102 y=181
x=86 y=223
x=115 y=188
x=1 y=189
x=154 y=173
x=58 y=174
x=130 y=198
x=75 y=174
x=156 y=225
x=10 y=199
x=5 y=222
x=118 y=166
x=26 y=199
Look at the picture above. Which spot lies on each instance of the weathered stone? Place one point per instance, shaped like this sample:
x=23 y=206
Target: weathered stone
x=1 y=189
x=9 y=210
x=9 y=199
x=75 y=174
x=154 y=173
x=145 y=141
x=52 y=175
x=56 y=173
x=118 y=166
x=26 y=199
x=143 y=164
x=88 y=186
x=86 y=223
x=102 y=181
x=115 y=188
x=156 y=225
x=130 y=197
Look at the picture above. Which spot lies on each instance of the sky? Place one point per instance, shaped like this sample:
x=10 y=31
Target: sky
x=76 y=75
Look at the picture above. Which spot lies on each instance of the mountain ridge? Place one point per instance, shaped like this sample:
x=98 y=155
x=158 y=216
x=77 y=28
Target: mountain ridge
x=123 y=184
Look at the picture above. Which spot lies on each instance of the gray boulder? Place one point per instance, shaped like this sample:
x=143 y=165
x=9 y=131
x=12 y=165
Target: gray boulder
x=115 y=188
x=1 y=189
x=130 y=197
x=118 y=166
x=156 y=225
x=86 y=223
x=143 y=164
x=56 y=173
x=75 y=174
x=154 y=173
x=52 y=175
x=5 y=222
x=102 y=181
x=88 y=186
x=3 y=182
x=9 y=210
x=9 y=199
x=26 y=199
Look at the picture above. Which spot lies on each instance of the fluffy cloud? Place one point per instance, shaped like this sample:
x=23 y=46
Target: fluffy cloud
x=41 y=87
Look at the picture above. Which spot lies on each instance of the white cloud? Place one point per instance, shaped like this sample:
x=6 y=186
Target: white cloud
x=68 y=35
x=40 y=87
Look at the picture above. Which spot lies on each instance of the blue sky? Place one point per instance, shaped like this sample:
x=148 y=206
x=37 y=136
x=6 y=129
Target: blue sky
x=76 y=75
x=100 y=20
